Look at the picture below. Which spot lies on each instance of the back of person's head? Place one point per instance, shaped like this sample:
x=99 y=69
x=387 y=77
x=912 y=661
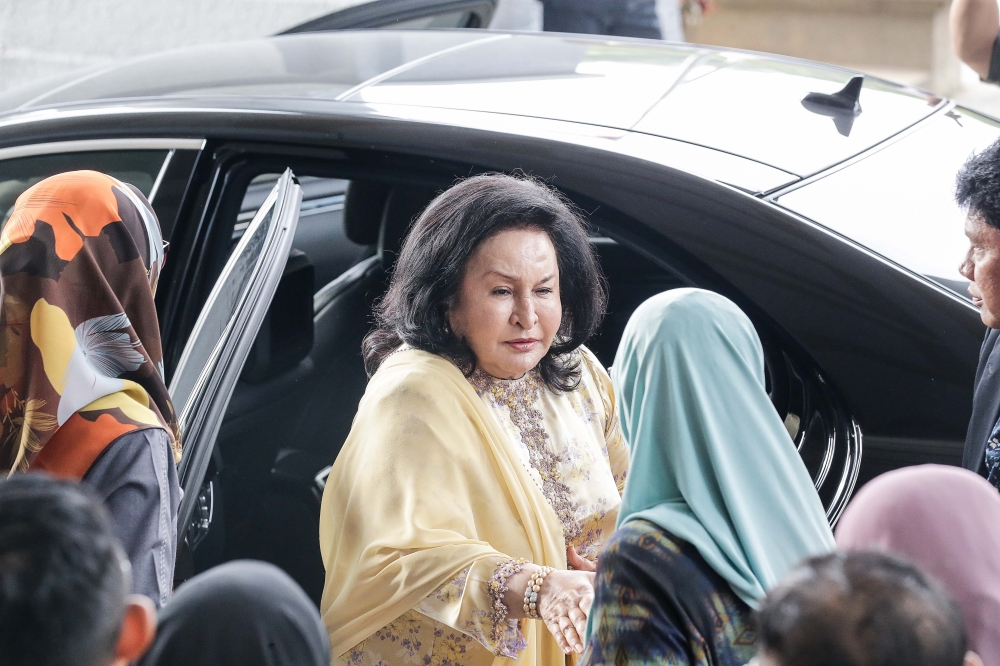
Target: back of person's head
x=241 y=613
x=63 y=580
x=859 y=609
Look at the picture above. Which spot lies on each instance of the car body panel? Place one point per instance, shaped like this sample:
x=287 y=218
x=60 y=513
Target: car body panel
x=900 y=348
x=300 y=66
x=736 y=102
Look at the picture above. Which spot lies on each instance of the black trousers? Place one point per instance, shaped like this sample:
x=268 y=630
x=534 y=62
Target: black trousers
x=620 y=18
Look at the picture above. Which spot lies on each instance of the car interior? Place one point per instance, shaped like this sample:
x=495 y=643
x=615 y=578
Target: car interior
x=295 y=402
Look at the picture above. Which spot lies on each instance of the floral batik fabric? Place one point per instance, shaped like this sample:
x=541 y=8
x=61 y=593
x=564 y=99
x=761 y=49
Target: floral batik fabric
x=658 y=602
x=80 y=356
x=571 y=446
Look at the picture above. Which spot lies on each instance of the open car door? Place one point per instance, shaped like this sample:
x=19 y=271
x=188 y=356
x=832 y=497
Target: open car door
x=223 y=335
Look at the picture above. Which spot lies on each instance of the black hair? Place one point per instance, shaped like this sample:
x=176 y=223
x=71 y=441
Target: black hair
x=860 y=609
x=978 y=185
x=431 y=264
x=62 y=580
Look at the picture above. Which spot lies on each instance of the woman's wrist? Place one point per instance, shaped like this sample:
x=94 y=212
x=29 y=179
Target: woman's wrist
x=513 y=597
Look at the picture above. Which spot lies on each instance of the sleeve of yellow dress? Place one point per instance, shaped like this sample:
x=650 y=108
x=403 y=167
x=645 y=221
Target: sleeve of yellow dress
x=472 y=603
x=616 y=444
x=423 y=489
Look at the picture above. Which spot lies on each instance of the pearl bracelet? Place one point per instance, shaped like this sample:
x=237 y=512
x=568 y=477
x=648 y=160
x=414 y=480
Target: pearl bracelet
x=532 y=590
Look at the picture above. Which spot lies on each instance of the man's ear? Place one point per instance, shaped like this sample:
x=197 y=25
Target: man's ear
x=972 y=659
x=139 y=629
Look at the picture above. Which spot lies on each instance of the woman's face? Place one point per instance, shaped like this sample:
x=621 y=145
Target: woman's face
x=508 y=308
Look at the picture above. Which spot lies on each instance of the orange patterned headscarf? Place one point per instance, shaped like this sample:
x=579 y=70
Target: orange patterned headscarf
x=80 y=355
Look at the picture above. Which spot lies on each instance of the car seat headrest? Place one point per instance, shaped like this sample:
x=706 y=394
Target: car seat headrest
x=404 y=205
x=364 y=203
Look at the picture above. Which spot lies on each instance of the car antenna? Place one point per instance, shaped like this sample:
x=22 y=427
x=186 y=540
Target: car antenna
x=843 y=106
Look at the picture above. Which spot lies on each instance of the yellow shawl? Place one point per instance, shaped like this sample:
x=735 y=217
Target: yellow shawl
x=426 y=484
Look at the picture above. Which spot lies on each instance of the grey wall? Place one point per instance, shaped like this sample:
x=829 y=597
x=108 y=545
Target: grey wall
x=42 y=38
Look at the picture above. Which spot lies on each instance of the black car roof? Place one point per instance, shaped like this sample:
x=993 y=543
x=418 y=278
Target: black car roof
x=742 y=103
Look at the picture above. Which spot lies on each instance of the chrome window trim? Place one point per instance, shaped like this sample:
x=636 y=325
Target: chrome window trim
x=159 y=177
x=88 y=145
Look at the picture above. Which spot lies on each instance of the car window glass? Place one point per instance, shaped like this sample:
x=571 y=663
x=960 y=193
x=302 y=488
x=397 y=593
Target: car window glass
x=900 y=201
x=136 y=167
x=320 y=233
x=458 y=19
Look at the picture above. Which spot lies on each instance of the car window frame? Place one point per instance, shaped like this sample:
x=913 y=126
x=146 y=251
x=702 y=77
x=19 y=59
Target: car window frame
x=200 y=416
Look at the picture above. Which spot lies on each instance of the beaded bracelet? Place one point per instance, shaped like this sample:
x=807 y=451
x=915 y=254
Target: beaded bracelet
x=532 y=590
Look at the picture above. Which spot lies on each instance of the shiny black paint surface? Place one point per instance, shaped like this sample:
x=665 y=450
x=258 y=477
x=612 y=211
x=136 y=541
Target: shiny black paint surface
x=899 y=349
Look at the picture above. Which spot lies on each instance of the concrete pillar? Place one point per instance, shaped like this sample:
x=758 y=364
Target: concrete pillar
x=908 y=37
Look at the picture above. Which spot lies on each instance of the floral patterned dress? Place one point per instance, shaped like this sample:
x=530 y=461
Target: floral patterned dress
x=658 y=602
x=572 y=447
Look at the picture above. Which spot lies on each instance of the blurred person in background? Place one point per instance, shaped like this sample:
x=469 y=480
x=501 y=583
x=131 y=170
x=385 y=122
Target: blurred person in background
x=946 y=521
x=718 y=504
x=978 y=192
x=64 y=580
x=81 y=373
x=860 y=609
x=619 y=18
x=975 y=36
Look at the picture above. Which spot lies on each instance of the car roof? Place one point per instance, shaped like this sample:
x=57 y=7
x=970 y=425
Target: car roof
x=737 y=102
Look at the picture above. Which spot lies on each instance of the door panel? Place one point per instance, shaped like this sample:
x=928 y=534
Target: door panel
x=225 y=330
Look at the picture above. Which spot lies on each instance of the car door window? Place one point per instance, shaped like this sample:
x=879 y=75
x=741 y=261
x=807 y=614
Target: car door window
x=225 y=330
x=136 y=167
x=159 y=168
x=320 y=232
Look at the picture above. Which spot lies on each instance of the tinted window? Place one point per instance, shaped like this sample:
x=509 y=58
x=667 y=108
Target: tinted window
x=438 y=21
x=320 y=233
x=136 y=167
x=900 y=201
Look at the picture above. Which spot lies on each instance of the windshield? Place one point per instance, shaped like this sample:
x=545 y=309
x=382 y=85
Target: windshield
x=900 y=201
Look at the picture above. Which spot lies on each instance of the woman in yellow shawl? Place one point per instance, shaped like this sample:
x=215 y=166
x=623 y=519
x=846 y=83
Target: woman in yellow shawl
x=485 y=456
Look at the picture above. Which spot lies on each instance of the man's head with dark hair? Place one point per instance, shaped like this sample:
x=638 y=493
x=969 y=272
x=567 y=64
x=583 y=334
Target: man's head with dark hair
x=859 y=609
x=978 y=192
x=64 y=580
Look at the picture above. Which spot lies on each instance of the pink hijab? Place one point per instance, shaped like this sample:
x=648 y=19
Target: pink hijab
x=945 y=520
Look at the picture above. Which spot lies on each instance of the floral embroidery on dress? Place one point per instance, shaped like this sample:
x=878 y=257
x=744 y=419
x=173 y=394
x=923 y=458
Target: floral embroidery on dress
x=498 y=610
x=519 y=396
x=993 y=457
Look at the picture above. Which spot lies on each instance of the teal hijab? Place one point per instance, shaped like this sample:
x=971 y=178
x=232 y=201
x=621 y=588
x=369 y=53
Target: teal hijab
x=711 y=461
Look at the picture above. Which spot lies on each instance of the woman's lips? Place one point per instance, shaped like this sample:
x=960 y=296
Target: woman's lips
x=978 y=302
x=522 y=344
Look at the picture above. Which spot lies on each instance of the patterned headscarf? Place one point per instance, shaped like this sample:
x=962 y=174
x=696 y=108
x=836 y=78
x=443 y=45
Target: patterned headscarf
x=80 y=356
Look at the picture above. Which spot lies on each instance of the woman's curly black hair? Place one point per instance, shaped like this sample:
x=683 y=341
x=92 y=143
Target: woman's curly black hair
x=431 y=264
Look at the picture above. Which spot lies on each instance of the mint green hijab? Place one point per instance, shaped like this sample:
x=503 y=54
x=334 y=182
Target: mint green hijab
x=711 y=461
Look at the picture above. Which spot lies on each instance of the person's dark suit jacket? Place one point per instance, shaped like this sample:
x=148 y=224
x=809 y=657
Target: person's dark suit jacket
x=985 y=404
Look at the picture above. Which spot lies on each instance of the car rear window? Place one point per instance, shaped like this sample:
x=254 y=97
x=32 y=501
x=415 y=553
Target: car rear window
x=900 y=201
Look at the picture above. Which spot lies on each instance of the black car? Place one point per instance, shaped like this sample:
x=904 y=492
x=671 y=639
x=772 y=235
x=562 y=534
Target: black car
x=822 y=207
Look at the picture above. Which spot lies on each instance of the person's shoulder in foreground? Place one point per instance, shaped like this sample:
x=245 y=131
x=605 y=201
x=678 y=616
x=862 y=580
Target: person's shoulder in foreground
x=64 y=580
x=668 y=605
x=860 y=609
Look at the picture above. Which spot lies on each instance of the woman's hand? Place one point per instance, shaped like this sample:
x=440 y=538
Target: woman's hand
x=574 y=561
x=563 y=605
